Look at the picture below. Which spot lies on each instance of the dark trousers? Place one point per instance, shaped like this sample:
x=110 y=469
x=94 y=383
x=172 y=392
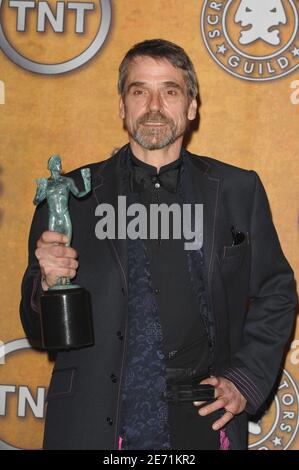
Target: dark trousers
x=189 y=430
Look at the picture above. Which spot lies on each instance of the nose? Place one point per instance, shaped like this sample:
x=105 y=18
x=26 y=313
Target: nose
x=155 y=102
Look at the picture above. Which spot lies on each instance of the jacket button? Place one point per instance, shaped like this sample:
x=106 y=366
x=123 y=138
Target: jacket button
x=113 y=378
x=120 y=336
x=109 y=421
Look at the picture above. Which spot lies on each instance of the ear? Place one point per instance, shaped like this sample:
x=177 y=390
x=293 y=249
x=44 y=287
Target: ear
x=121 y=108
x=192 y=110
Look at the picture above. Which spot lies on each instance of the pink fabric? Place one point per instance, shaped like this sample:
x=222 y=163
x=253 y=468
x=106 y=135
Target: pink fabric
x=224 y=440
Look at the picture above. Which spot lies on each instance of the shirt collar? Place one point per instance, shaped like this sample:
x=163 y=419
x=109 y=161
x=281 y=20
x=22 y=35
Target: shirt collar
x=151 y=169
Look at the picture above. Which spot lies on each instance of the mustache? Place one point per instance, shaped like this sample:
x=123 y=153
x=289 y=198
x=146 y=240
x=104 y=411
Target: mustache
x=156 y=117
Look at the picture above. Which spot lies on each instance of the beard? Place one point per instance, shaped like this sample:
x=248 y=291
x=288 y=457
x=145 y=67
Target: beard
x=155 y=137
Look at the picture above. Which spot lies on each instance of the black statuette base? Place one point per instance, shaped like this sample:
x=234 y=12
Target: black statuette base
x=66 y=319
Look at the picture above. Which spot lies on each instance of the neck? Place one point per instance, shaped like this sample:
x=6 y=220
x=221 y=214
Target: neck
x=158 y=157
x=55 y=174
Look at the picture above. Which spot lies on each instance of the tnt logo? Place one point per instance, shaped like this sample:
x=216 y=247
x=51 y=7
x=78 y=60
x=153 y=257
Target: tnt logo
x=26 y=401
x=44 y=13
x=24 y=377
x=53 y=37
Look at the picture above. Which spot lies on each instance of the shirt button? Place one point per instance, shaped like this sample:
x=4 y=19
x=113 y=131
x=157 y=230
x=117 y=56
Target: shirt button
x=113 y=378
x=157 y=290
x=109 y=421
x=157 y=185
x=120 y=336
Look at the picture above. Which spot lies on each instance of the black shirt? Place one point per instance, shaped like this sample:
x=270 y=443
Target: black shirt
x=184 y=336
x=185 y=341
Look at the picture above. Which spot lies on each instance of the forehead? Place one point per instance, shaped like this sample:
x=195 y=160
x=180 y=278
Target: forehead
x=146 y=69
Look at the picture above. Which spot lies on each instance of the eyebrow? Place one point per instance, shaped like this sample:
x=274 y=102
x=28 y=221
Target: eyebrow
x=173 y=85
x=168 y=83
x=135 y=84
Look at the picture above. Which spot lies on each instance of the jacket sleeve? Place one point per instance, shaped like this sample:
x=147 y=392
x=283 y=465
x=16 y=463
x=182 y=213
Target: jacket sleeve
x=271 y=313
x=31 y=284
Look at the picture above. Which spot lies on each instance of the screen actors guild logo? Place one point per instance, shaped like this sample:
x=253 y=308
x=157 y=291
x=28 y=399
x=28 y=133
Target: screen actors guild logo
x=260 y=16
x=53 y=37
x=278 y=427
x=252 y=39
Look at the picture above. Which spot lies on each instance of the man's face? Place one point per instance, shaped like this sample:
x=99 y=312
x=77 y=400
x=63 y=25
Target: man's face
x=155 y=106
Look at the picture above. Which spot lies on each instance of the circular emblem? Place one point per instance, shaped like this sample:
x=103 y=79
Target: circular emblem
x=277 y=429
x=51 y=38
x=22 y=397
x=252 y=39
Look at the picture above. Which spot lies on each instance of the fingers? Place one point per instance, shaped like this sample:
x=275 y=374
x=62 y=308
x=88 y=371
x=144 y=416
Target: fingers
x=52 y=237
x=52 y=262
x=227 y=397
x=55 y=251
x=211 y=407
x=55 y=259
x=220 y=423
x=215 y=381
x=50 y=277
x=219 y=404
x=199 y=403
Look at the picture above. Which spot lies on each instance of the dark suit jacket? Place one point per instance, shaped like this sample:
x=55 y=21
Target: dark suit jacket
x=251 y=286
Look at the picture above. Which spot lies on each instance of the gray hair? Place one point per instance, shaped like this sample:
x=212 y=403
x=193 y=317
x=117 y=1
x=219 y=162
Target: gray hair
x=160 y=49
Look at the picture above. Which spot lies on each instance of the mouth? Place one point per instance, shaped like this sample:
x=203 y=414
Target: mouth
x=154 y=124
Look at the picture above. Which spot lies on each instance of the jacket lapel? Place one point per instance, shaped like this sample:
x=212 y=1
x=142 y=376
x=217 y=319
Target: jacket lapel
x=106 y=189
x=207 y=192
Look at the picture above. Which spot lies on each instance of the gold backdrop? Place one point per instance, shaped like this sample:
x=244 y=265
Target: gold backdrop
x=246 y=123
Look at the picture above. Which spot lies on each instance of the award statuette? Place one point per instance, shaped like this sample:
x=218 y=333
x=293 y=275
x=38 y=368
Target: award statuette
x=66 y=319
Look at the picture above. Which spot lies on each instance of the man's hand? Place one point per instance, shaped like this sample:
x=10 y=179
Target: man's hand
x=55 y=259
x=227 y=396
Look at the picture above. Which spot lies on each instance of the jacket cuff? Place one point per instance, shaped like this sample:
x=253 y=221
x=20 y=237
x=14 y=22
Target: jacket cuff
x=37 y=291
x=240 y=378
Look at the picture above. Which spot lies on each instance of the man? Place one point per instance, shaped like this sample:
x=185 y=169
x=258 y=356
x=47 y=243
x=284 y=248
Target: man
x=170 y=324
